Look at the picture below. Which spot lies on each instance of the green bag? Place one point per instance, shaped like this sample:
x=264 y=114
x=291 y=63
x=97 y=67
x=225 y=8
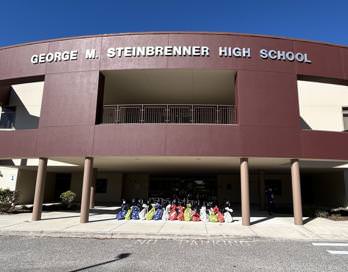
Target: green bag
x=213 y=218
x=128 y=214
x=150 y=214
x=188 y=213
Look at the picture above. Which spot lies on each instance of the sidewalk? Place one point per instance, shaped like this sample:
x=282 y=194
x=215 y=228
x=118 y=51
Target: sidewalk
x=104 y=225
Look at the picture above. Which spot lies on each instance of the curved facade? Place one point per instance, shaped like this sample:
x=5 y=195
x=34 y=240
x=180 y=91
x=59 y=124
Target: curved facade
x=266 y=124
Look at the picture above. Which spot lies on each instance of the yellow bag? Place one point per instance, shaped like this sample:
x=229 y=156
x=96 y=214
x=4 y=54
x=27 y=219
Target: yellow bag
x=150 y=214
x=128 y=214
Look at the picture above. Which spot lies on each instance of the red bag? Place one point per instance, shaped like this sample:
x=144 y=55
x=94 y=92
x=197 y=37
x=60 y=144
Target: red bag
x=180 y=213
x=196 y=217
x=172 y=214
x=221 y=217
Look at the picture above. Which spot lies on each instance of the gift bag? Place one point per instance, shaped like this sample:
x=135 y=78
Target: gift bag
x=135 y=213
x=121 y=214
x=128 y=214
x=228 y=215
x=143 y=212
x=166 y=212
x=220 y=217
x=188 y=213
x=180 y=216
x=158 y=213
x=203 y=214
x=150 y=214
x=173 y=214
x=195 y=216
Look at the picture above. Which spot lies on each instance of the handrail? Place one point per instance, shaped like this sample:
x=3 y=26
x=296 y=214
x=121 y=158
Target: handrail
x=170 y=113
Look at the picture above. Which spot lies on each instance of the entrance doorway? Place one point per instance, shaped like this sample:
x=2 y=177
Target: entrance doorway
x=63 y=182
x=195 y=187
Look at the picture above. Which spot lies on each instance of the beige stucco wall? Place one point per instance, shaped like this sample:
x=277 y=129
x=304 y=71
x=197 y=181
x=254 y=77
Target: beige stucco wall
x=114 y=187
x=25 y=186
x=320 y=105
x=27 y=98
x=8 y=178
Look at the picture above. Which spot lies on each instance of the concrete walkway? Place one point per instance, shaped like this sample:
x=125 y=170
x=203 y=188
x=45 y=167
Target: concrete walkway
x=103 y=225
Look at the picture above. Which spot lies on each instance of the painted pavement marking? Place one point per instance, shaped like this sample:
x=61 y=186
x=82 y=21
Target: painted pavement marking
x=337 y=252
x=331 y=244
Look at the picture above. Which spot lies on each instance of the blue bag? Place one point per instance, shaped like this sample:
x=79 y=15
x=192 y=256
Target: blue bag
x=158 y=213
x=135 y=213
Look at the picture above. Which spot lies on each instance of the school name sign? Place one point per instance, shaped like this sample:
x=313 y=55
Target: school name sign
x=171 y=51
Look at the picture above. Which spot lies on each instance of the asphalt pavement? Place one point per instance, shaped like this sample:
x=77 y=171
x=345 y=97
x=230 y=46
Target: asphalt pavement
x=19 y=253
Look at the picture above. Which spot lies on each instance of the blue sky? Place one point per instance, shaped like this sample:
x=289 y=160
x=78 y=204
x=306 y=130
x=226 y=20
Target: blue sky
x=31 y=20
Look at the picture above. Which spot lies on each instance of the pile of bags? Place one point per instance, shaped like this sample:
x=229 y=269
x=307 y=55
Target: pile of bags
x=139 y=210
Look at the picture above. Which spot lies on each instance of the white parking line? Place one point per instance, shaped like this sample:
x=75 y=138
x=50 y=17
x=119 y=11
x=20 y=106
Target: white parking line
x=331 y=244
x=337 y=252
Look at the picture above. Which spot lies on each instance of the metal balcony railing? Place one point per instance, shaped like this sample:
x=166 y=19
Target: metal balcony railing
x=7 y=119
x=169 y=113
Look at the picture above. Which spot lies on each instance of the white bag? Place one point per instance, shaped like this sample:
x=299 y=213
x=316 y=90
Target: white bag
x=165 y=215
x=143 y=212
x=228 y=215
x=203 y=214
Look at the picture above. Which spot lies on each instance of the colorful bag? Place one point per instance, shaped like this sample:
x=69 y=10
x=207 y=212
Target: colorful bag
x=195 y=216
x=173 y=214
x=180 y=216
x=121 y=214
x=213 y=216
x=150 y=214
x=228 y=215
x=143 y=212
x=158 y=213
x=203 y=214
x=166 y=212
x=135 y=213
x=128 y=214
x=188 y=213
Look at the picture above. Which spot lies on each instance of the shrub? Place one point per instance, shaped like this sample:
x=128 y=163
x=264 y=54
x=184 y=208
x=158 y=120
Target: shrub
x=68 y=198
x=7 y=200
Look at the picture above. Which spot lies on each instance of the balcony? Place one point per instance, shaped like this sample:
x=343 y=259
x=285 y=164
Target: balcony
x=169 y=113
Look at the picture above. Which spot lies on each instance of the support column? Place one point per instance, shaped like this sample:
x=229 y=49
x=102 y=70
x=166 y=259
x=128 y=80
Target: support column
x=244 y=182
x=92 y=197
x=296 y=191
x=39 y=189
x=86 y=189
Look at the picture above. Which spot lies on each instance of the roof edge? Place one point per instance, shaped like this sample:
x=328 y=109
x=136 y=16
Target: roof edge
x=171 y=33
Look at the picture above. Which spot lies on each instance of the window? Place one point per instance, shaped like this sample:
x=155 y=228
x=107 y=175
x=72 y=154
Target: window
x=7 y=117
x=345 y=118
x=101 y=186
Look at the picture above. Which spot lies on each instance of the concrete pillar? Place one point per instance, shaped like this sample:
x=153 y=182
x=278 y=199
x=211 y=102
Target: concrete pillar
x=92 y=197
x=244 y=182
x=296 y=191
x=39 y=189
x=86 y=189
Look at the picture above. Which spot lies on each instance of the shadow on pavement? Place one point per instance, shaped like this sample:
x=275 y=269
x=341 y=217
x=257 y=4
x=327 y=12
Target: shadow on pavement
x=119 y=257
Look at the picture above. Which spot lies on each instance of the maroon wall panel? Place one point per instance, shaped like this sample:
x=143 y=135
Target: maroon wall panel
x=326 y=60
x=81 y=64
x=344 y=53
x=267 y=99
x=133 y=63
x=319 y=144
x=69 y=99
x=65 y=141
x=15 y=61
x=268 y=114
